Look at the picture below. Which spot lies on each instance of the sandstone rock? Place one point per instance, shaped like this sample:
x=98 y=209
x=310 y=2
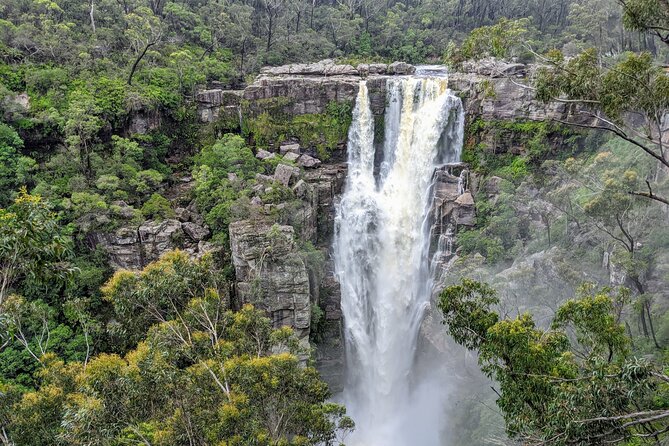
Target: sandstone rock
x=291 y=156
x=195 y=232
x=286 y=174
x=308 y=161
x=465 y=199
x=122 y=247
x=378 y=68
x=325 y=67
x=465 y=211
x=328 y=182
x=264 y=178
x=217 y=103
x=182 y=214
x=492 y=186
x=300 y=189
x=195 y=216
x=264 y=154
x=340 y=70
x=142 y=121
x=158 y=237
x=401 y=68
x=232 y=177
x=256 y=201
x=289 y=148
x=363 y=69
x=271 y=274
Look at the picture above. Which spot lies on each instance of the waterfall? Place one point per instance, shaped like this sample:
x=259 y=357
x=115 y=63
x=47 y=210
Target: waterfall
x=381 y=249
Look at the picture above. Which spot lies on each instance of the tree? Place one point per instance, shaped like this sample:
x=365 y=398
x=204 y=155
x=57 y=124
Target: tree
x=651 y=16
x=614 y=98
x=497 y=40
x=159 y=292
x=14 y=168
x=145 y=30
x=202 y=375
x=595 y=195
x=573 y=383
x=82 y=126
x=34 y=248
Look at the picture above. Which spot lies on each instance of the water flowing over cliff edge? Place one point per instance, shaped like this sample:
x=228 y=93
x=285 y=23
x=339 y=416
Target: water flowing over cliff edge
x=381 y=250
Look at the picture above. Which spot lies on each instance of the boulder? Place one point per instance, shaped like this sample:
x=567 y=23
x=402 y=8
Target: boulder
x=195 y=231
x=308 y=161
x=378 y=68
x=182 y=214
x=264 y=178
x=401 y=68
x=291 y=156
x=159 y=237
x=289 y=148
x=264 y=154
x=286 y=174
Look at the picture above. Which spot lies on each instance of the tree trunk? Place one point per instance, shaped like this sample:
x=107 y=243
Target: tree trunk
x=92 y=16
x=141 y=56
x=642 y=315
x=650 y=323
x=270 y=28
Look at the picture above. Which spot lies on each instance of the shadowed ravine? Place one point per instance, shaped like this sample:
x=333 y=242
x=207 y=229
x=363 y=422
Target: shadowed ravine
x=381 y=255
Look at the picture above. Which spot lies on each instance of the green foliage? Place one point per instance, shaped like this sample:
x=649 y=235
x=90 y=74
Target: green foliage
x=498 y=40
x=34 y=248
x=157 y=207
x=157 y=293
x=15 y=170
x=553 y=388
x=228 y=376
x=323 y=132
x=220 y=198
x=634 y=83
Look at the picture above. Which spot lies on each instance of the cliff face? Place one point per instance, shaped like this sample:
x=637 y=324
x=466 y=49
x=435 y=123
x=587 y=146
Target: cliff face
x=301 y=114
x=491 y=90
x=299 y=111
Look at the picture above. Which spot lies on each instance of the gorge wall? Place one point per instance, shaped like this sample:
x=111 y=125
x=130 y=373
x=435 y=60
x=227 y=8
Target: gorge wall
x=299 y=115
x=302 y=112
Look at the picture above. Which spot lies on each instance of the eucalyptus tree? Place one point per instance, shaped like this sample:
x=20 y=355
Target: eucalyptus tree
x=575 y=383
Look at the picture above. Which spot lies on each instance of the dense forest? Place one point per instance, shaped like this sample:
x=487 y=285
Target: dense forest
x=169 y=355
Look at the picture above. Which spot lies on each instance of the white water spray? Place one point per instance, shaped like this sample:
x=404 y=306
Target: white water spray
x=381 y=255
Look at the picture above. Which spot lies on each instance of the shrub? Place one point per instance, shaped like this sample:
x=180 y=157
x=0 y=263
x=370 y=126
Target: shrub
x=157 y=207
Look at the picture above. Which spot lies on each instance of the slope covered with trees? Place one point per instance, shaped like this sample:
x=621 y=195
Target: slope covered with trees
x=93 y=356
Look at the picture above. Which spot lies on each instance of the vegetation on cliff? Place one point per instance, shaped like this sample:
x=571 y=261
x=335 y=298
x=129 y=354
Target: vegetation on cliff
x=99 y=133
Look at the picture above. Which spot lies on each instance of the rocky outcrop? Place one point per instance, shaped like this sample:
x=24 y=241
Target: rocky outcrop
x=144 y=120
x=271 y=274
x=135 y=247
x=328 y=183
x=452 y=206
x=214 y=103
x=491 y=89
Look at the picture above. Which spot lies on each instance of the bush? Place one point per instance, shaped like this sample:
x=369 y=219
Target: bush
x=157 y=207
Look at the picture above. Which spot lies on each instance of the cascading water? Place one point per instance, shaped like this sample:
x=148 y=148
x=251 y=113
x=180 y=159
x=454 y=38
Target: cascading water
x=382 y=251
